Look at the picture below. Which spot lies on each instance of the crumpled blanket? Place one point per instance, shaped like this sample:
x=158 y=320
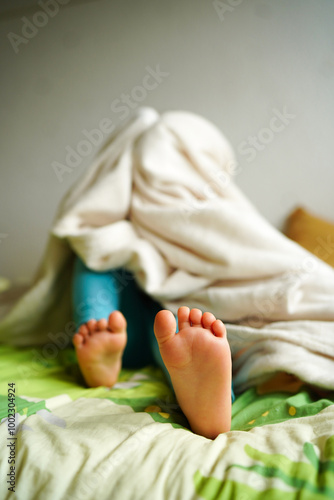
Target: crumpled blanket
x=160 y=200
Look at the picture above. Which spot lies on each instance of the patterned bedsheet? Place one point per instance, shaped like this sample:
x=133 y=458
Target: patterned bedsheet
x=60 y=440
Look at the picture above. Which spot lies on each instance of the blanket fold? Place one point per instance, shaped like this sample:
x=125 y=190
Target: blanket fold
x=160 y=200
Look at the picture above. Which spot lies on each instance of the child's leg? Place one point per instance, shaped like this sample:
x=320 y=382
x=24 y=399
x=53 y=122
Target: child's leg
x=100 y=344
x=101 y=336
x=94 y=294
x=198 y=359
x=136 y=307
x=152 y=308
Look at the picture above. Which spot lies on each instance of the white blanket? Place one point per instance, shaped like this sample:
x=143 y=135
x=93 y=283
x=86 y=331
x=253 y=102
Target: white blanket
x=159 y=200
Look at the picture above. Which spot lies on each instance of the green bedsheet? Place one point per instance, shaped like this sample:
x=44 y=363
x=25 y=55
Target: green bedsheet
x=133 y=442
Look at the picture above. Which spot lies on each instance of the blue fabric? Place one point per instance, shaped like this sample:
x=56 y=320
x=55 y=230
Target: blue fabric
x=97 y=294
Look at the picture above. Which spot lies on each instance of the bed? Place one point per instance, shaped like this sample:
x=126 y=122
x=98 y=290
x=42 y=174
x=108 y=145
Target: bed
x=61 y=440
x=133 y=442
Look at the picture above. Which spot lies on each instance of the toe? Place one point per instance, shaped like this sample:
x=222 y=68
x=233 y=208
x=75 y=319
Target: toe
x=195 y=317
x=218 y=328
x=116 y=322
x=207 y=319
x=83 y=330
x=183 y=317
x=91 y=325
x=102 y=325
x=164 y=326
x=78 y=340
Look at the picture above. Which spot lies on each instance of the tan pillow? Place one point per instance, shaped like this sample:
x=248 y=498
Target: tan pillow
x=313 y=233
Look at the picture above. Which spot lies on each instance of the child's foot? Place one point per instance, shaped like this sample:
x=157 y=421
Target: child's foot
x=99 y=346
x=198 y=359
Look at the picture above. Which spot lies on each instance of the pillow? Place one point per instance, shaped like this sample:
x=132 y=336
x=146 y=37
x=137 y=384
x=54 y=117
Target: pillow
x=313 y=233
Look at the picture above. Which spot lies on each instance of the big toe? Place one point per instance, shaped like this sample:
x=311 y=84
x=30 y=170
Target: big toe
x=164 y=326
x=78 y=340
x=117 y=322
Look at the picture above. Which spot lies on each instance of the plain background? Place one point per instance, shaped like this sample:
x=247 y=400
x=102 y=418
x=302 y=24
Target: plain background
x=234 y=64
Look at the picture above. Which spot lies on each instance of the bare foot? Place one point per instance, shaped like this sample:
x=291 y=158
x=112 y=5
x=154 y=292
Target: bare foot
x=198 y=359
x=99 y=346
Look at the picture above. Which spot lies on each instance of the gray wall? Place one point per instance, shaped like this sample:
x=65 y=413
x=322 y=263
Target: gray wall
x=239 y=64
